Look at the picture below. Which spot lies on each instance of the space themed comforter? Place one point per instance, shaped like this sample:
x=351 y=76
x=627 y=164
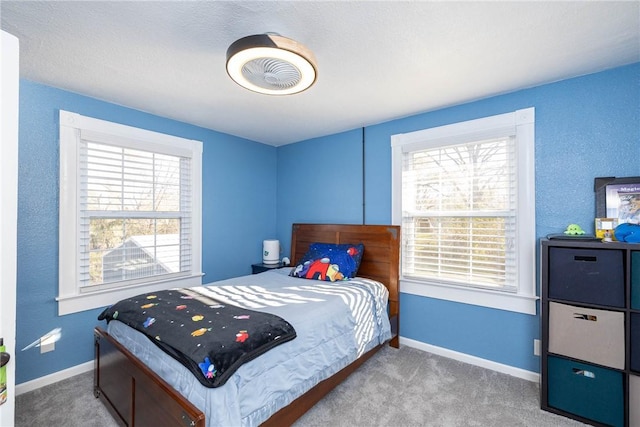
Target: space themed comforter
x=210 y=338
x=335 y=323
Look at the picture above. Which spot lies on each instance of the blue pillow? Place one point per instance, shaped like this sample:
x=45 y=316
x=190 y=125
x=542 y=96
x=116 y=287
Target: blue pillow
x=330 y=262
x=627 y=232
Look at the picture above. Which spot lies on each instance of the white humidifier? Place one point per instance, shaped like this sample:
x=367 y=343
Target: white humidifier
x=270 y=251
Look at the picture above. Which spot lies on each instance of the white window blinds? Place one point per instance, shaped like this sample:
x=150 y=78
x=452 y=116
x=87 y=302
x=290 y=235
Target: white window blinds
x=134 y=212
x=459 y=213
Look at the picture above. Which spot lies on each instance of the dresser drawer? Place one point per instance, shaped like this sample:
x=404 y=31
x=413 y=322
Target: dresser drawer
x=586 y=390
x=593 y=276
x=595 y=336
x=634 y=400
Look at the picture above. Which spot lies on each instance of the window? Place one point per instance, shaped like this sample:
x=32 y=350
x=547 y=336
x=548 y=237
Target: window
x=464 y=196
x=130 y=214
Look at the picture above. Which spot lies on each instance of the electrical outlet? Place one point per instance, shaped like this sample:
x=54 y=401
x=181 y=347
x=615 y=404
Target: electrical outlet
x=47 y=347
x=536 y=347
x=48 y=343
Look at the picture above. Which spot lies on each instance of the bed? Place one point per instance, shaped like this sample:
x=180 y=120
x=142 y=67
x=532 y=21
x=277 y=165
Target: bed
x=140 y=388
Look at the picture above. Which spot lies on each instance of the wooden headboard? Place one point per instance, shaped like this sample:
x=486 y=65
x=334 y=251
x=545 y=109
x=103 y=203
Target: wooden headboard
x=380 y=261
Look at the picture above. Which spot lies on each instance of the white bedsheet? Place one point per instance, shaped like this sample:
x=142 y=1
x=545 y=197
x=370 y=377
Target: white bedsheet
x=335 y=324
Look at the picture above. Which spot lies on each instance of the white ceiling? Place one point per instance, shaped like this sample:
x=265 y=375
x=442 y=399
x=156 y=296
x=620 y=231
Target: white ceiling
x=377 y=60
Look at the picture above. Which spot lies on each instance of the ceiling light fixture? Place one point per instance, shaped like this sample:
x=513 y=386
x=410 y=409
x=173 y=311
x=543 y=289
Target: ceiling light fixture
x=271 y=64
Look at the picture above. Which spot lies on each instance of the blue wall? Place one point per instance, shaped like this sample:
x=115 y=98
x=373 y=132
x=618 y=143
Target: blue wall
x=585 y=127
x=239 y=211
x=319 y=180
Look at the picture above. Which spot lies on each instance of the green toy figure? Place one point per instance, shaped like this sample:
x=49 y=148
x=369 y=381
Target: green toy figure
x=574 y=230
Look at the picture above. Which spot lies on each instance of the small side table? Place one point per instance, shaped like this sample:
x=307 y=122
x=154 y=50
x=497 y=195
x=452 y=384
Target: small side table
x=260 y=268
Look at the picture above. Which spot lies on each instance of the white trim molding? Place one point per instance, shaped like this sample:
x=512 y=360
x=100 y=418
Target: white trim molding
x=472 y=360
x=64 y=374
x=521 y=297
x=71 y=298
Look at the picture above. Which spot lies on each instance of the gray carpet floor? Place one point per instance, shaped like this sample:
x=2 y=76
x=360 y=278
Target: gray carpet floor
x=405 y=387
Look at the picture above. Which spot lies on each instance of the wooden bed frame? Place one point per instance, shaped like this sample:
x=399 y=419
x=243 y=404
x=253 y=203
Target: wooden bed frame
x=136 y=396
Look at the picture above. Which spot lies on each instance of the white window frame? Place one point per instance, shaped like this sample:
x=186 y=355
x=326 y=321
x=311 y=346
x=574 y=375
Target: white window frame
x=521 y=124
x=71 y=299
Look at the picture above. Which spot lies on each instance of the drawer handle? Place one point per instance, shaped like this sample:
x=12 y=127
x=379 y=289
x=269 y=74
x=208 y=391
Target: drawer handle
x=590 y=317
x=585 y=258
x=583 y=373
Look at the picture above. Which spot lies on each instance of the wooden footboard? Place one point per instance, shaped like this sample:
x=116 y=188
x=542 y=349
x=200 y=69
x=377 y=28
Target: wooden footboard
x=134 y=394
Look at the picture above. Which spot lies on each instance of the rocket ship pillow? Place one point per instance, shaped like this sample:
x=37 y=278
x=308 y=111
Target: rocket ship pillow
x=329 y=262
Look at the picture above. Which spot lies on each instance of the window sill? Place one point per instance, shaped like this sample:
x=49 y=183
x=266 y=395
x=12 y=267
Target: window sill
x=518 y=303
x=75 y=303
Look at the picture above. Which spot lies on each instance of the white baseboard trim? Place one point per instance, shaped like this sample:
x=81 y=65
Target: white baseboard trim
x=54 y=378
x=472 y=360
x=440 y=351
